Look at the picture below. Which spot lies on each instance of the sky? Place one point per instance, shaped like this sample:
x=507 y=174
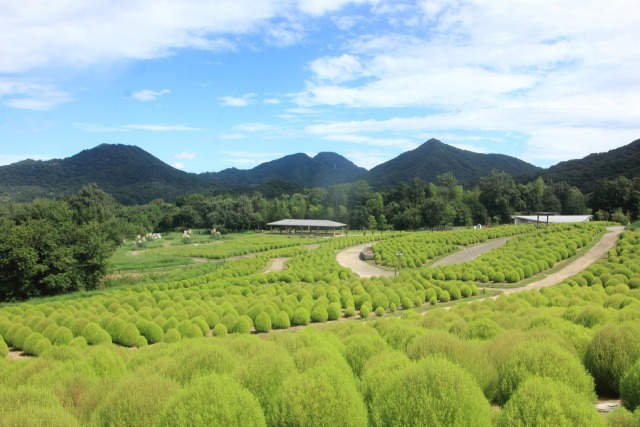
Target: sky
x=209 y=85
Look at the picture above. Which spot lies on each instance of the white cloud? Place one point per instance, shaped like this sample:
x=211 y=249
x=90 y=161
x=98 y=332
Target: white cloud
x=178 y=165
x=252 y=154
x=248 y=158
x=149 y=95
x=253 y=127
x=272 y=101
x=235 y=101
x=404 y=143
x=469 y=147
x=368 y=159
x=162 y=128
x=340 y=69
x=29 y=95
x=185 y=155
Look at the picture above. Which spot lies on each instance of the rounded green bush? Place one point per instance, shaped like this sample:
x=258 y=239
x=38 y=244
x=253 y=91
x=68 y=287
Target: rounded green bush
x=95 y=335
x=365 y=310
x=319 y=314
x=301 y=317
x=62 y=336
x=263 y=322
x=106 y=362
x=220 y=330
x=350 y=310
x=243 y=325
x=320 y=396
x=282 y=321
x=151 y=331
x=214 y=400
x=78 y=342
x=135 y=401
x=544 y=401
x=172 y=335
x=128 y=335
x=4 y=349
x=380 y=312
x=543 y=359
x=359 y=348
x=432 y=391
x=630 y=387
x=334 y=311
x=612 y=351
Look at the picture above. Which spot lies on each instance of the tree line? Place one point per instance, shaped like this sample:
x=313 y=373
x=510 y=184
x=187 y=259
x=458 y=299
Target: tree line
x=52 y=246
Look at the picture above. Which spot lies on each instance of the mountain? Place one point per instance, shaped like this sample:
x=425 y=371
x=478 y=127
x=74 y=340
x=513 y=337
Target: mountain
x=434 y=158
x=586 y=172
x=129 y=173
x=323 y=170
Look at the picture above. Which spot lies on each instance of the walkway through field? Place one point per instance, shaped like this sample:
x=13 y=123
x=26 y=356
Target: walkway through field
x=350 y=258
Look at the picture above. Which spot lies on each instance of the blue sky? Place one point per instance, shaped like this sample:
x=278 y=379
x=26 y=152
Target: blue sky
x=207 y=85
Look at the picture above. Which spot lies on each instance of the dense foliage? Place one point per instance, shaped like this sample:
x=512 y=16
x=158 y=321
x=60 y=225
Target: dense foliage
x=541 y=354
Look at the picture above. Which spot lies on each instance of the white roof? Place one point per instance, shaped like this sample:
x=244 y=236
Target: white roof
x=554 y=218
x=307 y=223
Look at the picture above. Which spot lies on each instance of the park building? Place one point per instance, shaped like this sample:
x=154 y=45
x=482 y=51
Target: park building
x=546 y=218
x=307 y=227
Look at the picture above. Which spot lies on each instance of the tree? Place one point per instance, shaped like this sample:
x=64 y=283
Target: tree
x=498 y=193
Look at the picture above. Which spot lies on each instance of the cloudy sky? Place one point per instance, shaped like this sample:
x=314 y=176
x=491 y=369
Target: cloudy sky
x=207 y=85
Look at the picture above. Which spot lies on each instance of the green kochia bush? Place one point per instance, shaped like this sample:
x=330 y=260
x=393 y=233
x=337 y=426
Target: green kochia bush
x=612 y=351
x=135 y=401
x=543 y=401
x=301 y=317
x=214 y=400
x=547 y=360
x=432 y=391
x=320 y=396
x=630 y=387
x=262 y=322
x=4 y=349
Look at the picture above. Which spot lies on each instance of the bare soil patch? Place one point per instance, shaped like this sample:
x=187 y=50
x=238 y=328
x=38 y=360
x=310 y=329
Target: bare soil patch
x=276 y=265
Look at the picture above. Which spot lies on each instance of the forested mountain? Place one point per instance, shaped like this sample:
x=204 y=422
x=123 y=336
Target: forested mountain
x=127 y=172
x=434 y=158
x=586 y=172
x=323 y=170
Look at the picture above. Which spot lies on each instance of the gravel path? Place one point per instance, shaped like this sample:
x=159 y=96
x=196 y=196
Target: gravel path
x=276 y=265
x=600 y=249
x=350 y=258
x=471 y=252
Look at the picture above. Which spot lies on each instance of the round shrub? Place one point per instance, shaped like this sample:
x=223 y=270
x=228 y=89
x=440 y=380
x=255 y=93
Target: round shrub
x=63 y=336
x=544 y=401
x=320 y=396
x=172 y=335
x=350 y=311
x=135 y=401
x=301 y=317
x=263 y=322
x=282 y=321
x=214 y=400
x=359 y=348
x=95 y=335
x=543 y=359
x=151 y=331
x=432 y=391
x=128 y=335
x=319 y=314
x=380 y=312
x=365 y=310
x=219 y=330
x=78 y=342
x=444 y=296
x=140 y=342
x=630 y=387
x=334 y=311
x=243 y=325
x=105 y=362
x=612 y=351
x=4 y=349
x=199 y=359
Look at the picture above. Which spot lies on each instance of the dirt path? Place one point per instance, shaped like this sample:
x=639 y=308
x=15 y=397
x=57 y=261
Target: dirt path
x=471 y=252
x=600 y=249
x=276 y=265
x=350 y=258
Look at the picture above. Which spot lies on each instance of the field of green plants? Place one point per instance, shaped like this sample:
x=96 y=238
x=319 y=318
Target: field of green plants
x=317 y=345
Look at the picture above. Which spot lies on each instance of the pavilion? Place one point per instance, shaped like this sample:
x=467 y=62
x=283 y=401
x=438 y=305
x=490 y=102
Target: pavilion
x=306 y=226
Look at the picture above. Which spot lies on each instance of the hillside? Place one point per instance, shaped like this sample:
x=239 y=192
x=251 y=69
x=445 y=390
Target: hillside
x=129 y=173
x=323 y=170
x=434 y=158
x=586 y=172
